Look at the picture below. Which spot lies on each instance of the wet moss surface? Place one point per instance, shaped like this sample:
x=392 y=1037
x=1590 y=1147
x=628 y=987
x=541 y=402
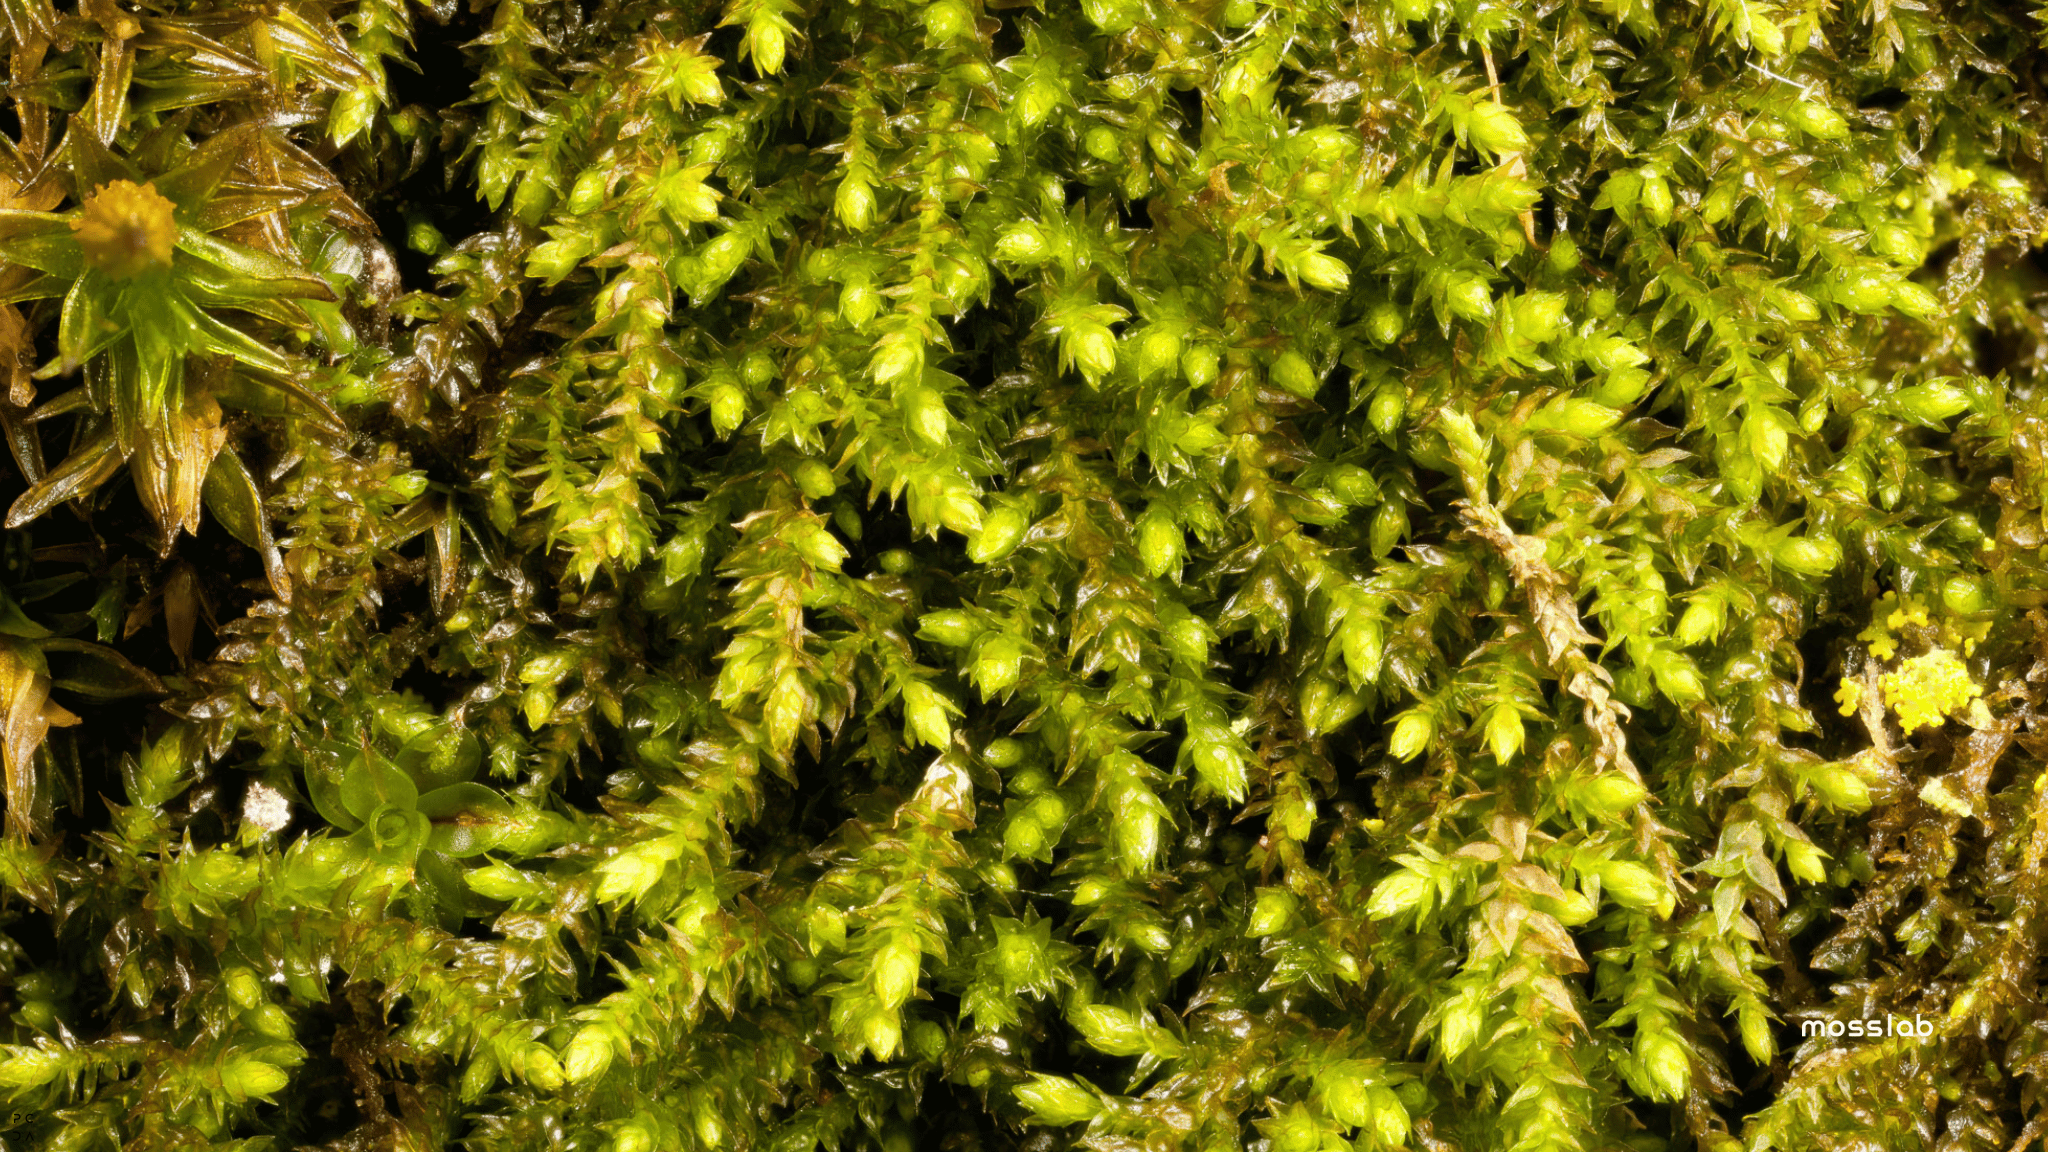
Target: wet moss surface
x=1143 y=575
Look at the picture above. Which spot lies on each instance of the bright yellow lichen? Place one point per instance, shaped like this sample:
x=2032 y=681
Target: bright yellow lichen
x=1883 y=645
x=1849 y=696
x=1926 y=690
x=1958 y=634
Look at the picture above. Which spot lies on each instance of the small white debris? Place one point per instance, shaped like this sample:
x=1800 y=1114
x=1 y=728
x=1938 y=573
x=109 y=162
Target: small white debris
x=266 y=807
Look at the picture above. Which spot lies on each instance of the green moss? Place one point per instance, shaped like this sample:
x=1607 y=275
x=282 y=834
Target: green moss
x=1151 y=574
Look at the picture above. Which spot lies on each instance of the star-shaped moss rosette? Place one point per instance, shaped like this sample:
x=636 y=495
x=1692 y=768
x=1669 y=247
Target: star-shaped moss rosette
x=145 y=274
x=408 y=799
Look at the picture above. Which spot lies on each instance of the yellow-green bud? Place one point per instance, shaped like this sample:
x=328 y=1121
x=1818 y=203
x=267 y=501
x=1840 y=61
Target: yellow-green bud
x=925 y=711
x=1001 y=531
x=1272 y=912
x=723 y=256
x=1158 y=350
x=1189 y=640
x=1803 y=860
x=1504 y=732
x=882 y=1032
x=1023 y=836
x=478 y=1076
x=1467 y=297
x=1933 y=402
x=728 y=408
x=1136 y=833
x=1221 y=768
x=1898 y=244
x=998 y=666
x=1631 y=884
x=588 y=193
x=1353 y=485
x=1036 y=101
x=246 y=1078
x=815 y=480
x=1914 y=300
x=1654 y=198
x=242 y=986
x=1093 y=350
x=1863 y=290
x=1564 y=254
x=1539 y=316
x=898 y=358
x=270 y=1020
x=1411 y=735
x=1797 y=307
x=854 y=203
x=927 y=416
x=1840 y=788
x=1325 y=707
x=1495 y=129
x=1608 y=353
x=1057 y=1100
x=1763 y=1047
x=547 y=668
x=1384 y=322
x=1019 y=957
x=1397 y=894
x=1965 y=595
x=1323 y=271
x=588 y=1055
x=766 y=44
x=1582 y=417
x=1003 y=752
x=1613 y=793
x=1622 y=191
x=1364 y=647
x=1111 y=1030
x=1389 y=526
x=826 y=926
x=1159 y=543
x=1818 y=120
x=896 y=969
x=1622 y=387
x=1293 y=372
x=1769 y=40
x=1023 y=243
x=859 y=303
x=945 y=21
x=1809 y=555
x=1152 y=938
x=1719 y=203
x=1389 y=405
x=1665 y=1062
x=1050 y=810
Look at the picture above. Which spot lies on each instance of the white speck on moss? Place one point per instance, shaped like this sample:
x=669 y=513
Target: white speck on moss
x=266 y=807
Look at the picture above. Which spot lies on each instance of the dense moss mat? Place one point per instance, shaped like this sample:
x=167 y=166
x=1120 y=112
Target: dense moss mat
x=1151 y=575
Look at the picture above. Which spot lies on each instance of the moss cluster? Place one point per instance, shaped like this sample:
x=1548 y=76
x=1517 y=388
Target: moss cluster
x=1151 y=574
